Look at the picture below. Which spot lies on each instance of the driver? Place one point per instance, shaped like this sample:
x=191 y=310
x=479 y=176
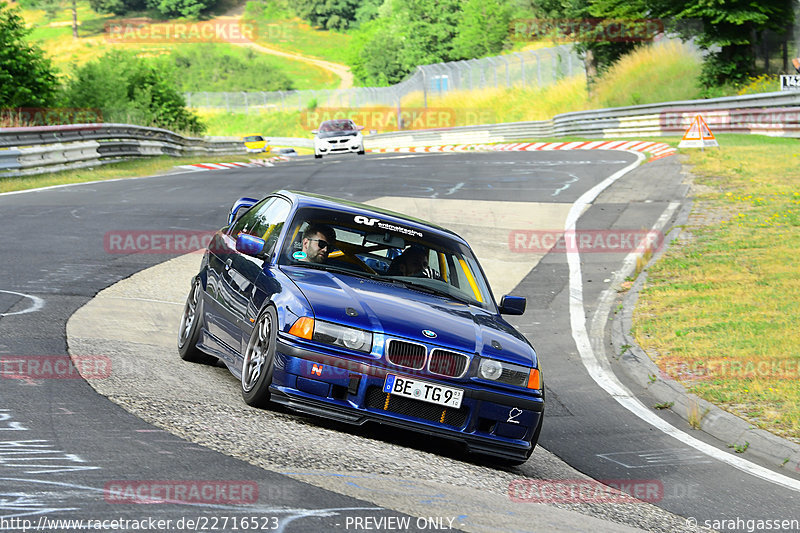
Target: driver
x=318 y=239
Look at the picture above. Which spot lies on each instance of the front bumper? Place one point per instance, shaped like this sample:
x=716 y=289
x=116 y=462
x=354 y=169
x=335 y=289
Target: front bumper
x=338 y=145
x=489 y=421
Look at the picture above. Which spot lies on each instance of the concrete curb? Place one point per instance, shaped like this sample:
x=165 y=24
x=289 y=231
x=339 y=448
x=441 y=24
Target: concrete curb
x=715 y=421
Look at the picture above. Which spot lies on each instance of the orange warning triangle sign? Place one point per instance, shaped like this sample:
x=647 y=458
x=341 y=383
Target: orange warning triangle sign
x=698 y=135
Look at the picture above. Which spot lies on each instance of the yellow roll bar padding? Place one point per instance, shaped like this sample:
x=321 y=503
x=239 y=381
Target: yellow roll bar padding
x=443 y=266
x=471 y=280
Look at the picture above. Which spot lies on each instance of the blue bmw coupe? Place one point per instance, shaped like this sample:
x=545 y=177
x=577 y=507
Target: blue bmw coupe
x=358 y=314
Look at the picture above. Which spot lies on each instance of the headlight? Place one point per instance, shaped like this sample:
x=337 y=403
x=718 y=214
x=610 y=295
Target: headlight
x=510 y=374
x=490 y=369
x=329 y=333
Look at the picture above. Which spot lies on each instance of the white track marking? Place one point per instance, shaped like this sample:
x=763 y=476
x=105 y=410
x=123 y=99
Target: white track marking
x=36 y=303
x=600 y=370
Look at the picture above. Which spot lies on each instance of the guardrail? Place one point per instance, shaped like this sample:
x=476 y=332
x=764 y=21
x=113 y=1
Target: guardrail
x=53 y=148
x=294 y=142
x=776 y=114
x=36 y=150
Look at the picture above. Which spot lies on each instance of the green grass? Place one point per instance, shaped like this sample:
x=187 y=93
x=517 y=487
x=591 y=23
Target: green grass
x=649 y=75
x=723 y=304
x=274 y=124
x=278 y=28
x=124 y=169
x=55 y=37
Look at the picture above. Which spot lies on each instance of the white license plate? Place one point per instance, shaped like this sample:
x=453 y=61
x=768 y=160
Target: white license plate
x=423 y=390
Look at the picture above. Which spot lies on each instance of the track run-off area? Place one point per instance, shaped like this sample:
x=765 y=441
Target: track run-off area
x=70 y=447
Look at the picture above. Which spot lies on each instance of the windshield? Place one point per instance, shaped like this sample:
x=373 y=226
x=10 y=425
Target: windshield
x=337 y=125
x=367 y=246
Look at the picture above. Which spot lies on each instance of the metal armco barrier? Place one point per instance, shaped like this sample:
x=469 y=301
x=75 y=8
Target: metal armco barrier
x=776 y=114
x=52 y=148
x=36 y=150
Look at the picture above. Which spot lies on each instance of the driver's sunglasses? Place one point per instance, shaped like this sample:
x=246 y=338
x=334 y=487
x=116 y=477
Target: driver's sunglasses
x=321 y=243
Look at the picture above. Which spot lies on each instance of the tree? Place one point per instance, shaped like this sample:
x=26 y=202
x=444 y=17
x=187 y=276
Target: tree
x=735 y=26
x=180 y=8
x=328 y=14
x=118 y=7
x=594 y=27
x=128 y=89
x=483 y=28
x=377 y=54
x=407 y=33
x=27 y=77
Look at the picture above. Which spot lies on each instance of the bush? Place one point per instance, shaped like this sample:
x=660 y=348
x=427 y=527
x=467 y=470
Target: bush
x=131 y=90
x=27 y=78
x=210 y=67
x=180 y=8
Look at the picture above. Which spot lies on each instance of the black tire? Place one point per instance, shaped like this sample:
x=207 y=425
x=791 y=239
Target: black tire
x=317 y=156
x=362 y=151
x=258 y=364
x=189 y=332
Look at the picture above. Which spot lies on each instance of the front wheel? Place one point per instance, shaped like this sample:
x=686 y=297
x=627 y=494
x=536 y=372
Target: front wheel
x=189 y=332
x=259 y=359
x=317 y=156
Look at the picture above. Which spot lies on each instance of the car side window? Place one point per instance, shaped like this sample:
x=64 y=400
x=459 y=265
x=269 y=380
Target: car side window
x=265 y=220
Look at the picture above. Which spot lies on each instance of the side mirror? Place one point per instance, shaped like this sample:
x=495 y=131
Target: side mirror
x=249 y=244
x=314 y=131
x=239 y=207
x=360 y=128
x=512 y=305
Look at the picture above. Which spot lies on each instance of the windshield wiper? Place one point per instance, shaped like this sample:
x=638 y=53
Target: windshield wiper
x=433 y=290
x=330 y=268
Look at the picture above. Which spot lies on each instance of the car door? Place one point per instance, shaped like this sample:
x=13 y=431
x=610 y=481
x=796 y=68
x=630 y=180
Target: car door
x=238 y=272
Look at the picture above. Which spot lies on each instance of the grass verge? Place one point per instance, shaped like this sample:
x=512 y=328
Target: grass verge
x=123 y=169
x=54 y=35
x=719 y=310
x=280 y=30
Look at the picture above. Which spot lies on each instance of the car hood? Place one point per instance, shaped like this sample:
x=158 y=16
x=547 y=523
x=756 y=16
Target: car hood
x=403 y=312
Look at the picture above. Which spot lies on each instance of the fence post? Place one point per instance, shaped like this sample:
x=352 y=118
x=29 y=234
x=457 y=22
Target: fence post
x=424 y=88
x=521 y=67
